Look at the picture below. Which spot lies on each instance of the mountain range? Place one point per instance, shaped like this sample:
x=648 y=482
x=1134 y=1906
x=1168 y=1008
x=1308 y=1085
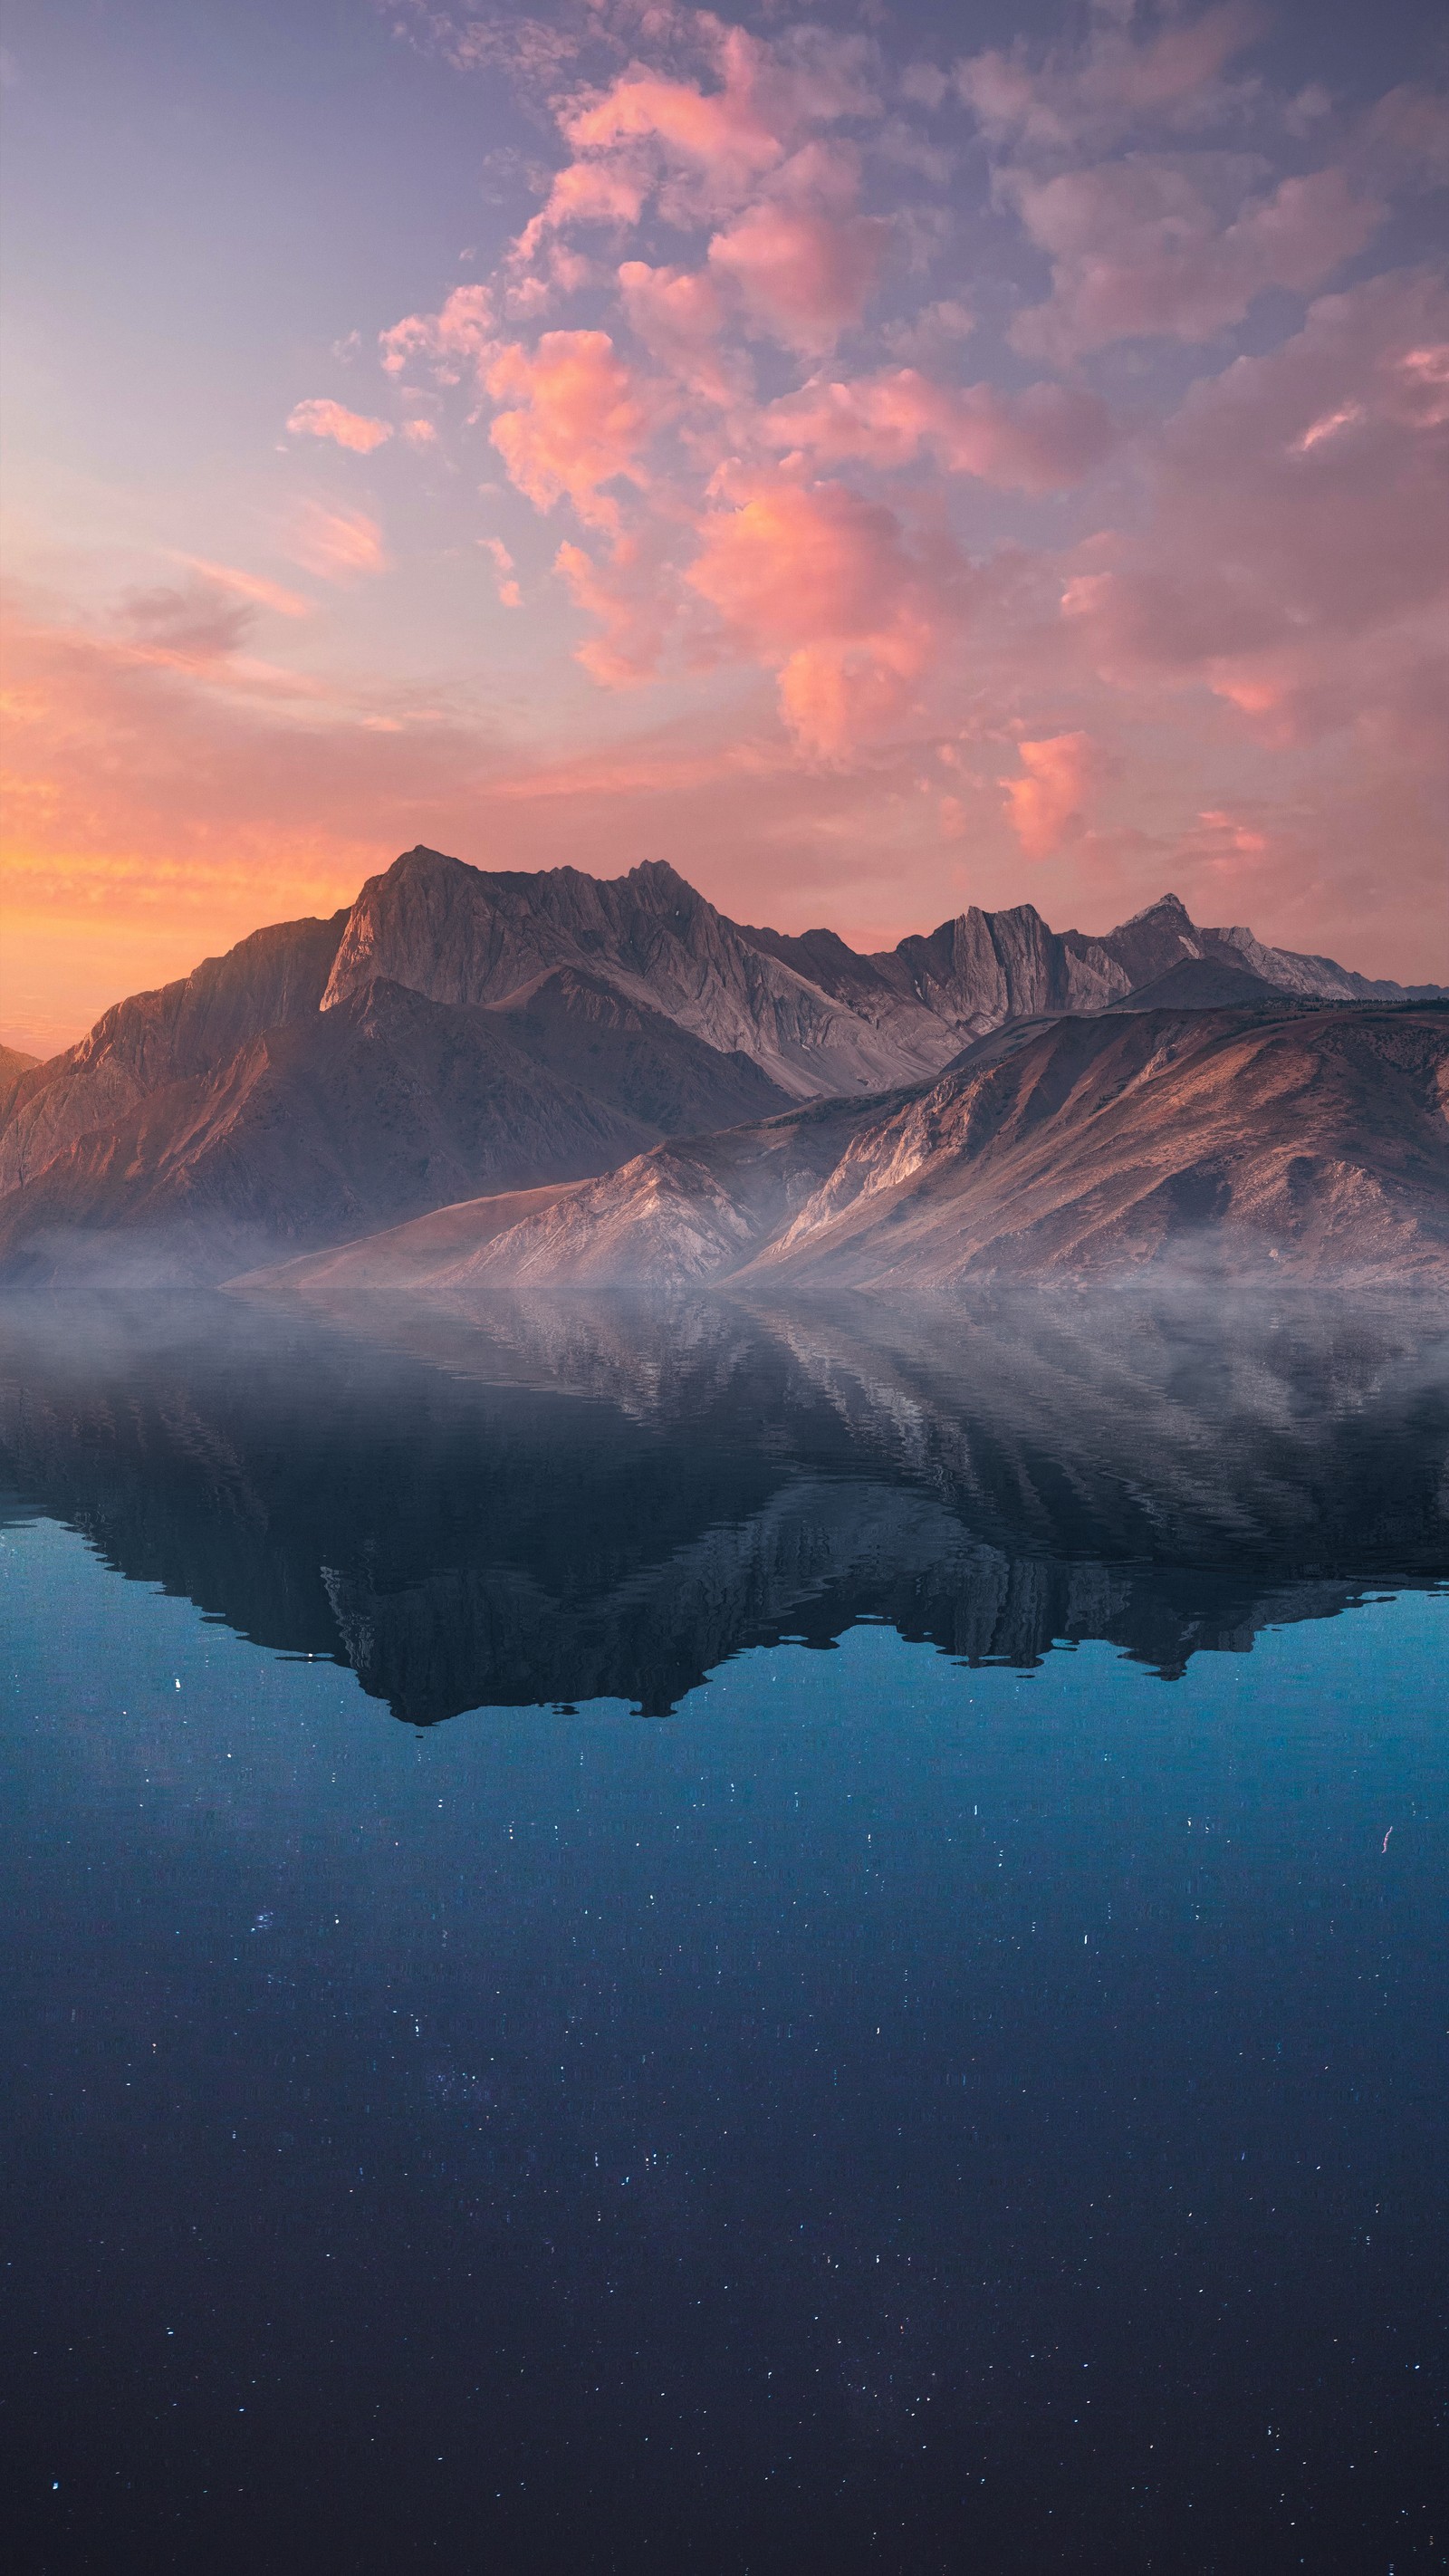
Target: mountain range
x=460 y=1033
x=1315 y=1139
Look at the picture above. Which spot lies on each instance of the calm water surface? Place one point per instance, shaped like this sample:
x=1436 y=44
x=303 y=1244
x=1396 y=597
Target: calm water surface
x=900 y=2024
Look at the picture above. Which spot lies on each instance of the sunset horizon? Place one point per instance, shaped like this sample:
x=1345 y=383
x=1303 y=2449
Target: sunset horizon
x=875 y=470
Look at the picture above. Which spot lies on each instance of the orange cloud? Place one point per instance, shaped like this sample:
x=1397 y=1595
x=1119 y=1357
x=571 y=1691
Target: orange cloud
x=155 y=811
x=319 y=419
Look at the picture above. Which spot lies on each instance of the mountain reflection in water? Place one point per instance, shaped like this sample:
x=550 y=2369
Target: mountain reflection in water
x=608 y=1502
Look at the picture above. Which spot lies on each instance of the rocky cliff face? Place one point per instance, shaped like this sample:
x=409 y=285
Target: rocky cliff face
x=14 y=1065
x=191 y=1028
x=986 y=967
x=463 y=934
x=1311 y=1138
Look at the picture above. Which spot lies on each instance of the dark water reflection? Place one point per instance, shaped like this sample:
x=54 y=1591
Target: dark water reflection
x=589 y=1502
x=912 y=2112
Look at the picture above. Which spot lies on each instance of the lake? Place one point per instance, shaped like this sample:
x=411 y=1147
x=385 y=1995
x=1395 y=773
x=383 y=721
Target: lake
x=696 y=1941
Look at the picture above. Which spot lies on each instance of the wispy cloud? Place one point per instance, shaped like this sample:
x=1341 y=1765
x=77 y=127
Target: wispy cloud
x=337 y=544
x=253 y=586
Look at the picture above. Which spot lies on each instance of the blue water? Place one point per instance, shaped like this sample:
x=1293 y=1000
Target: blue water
x=884 y=2115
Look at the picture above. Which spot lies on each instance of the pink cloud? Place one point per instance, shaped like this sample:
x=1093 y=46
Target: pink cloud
x=252 y=586
x=678 y=314
x=723 y=132
x=801 y=262
x=1406 y=136
x=631 y=598
x=1231 y=844
x=1418 y=390
x=448 y=341
x=818 y=585
x=936 y=328
x=318 y=418
x=509 y=594
x=1045 y=806
x=587 y=192
x=784 y=560
x=1037 y=441
x=706 y=150
x=335 y=543
x=1115 y=81
x=579 y=419
x=770 y=94
x=1149 y=245
x=420 y=433
x=1295 y=557
x=804 y=276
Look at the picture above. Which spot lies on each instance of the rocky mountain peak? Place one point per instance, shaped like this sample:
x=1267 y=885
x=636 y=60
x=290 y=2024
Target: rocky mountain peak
x=1153 y=941
x=1167 y=908
x=659 y=877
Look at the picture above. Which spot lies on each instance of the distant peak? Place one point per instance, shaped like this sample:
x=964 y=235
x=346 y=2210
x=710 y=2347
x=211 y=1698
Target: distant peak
x=420 y=861
x=421 y=852
x=1170 y=906
x=659 y=873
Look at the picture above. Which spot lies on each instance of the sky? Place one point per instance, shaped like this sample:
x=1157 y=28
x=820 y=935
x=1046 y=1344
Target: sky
x=879 y=460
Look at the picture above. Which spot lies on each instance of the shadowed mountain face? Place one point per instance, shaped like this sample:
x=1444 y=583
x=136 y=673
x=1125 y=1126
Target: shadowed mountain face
x=331 y=1124
x=188 y=1030
x=460 y=1031
x=1308 y=1138
x=13 y=1064
x=1201 y=984
x=606 y=1503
